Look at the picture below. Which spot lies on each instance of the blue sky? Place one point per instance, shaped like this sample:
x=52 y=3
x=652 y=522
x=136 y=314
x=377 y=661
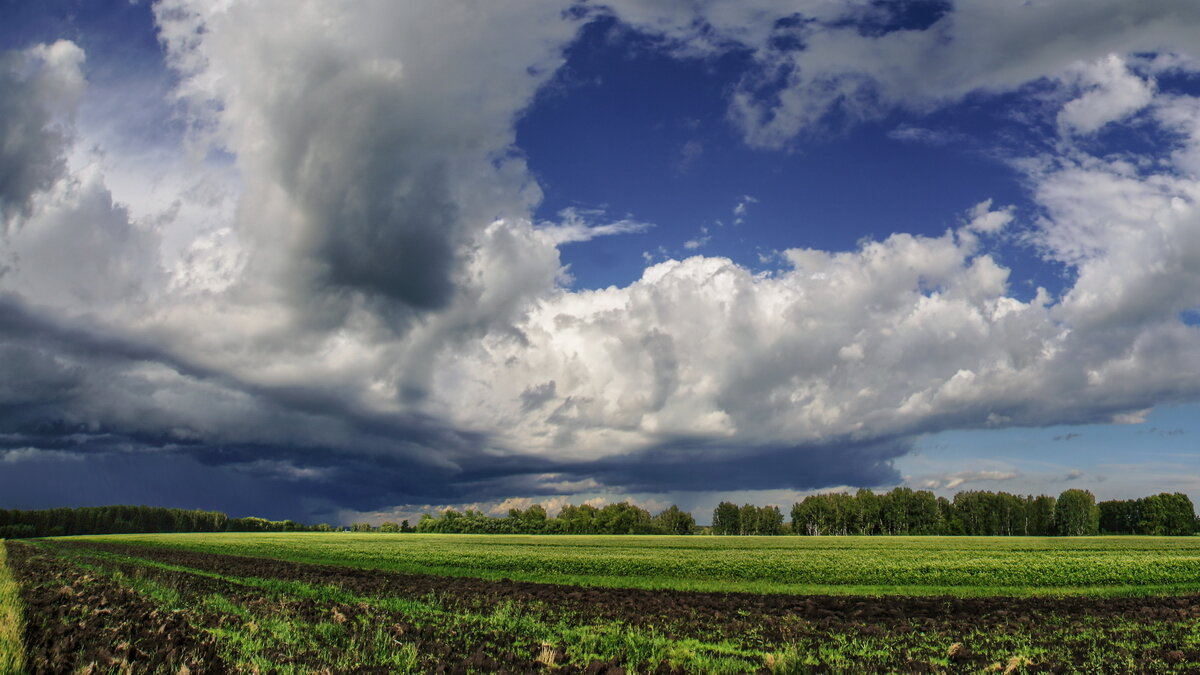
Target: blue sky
x=330 y=262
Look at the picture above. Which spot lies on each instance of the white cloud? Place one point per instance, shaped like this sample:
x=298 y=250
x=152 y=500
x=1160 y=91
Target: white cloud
x=575 y=227
x=951 y=481
x=984 y=220
x=698 y=242
x=1110 y=92
x=384 y=200
x=39 y=89
x=976 y=46
x=739 y=211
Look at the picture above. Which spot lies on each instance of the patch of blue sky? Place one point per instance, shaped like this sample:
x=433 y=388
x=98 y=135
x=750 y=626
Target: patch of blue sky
x=129 y=83
x=642 y=134
x=1115 y=461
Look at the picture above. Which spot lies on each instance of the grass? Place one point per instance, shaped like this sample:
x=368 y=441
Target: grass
x=965 y=566
x=12 y=653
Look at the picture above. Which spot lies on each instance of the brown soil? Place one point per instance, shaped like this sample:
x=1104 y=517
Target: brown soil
x=76 y=622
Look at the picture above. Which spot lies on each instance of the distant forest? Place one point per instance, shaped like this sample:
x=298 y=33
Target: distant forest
x=133 y=519
x=901 y=511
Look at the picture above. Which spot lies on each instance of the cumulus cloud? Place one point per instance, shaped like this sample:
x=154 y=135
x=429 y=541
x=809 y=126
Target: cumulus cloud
x=374 y=149
x=369 y=315
x=984 y=220
x=39 y=88
x=815 y=58
x=1110 y=93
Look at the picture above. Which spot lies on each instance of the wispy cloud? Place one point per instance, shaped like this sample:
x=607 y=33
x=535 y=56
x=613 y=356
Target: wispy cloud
x=739 y=210
x=577 y=226
x=957 y=479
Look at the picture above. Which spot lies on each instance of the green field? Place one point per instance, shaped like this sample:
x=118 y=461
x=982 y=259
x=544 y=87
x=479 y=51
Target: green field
x=821 y=565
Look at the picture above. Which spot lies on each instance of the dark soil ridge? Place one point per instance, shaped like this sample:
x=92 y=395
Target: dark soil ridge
x=80 y=623
x=652 y=606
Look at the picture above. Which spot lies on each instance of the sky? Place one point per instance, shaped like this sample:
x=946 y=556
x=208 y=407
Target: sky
x=356 y=261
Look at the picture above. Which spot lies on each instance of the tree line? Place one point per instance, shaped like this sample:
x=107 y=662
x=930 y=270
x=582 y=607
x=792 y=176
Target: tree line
x=901 y=511
x=1161 y=514
x=980 y=513
x=58 y=522
x=620 y=518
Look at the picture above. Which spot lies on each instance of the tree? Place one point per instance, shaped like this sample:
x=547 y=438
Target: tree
x=1181 y=515
x=748 y=519
x=726 y=519
x=870 y=513
x=770 y=520
x=675 y=521
x=533 y=520
x=895 y=510
x=815 y=516
x=623 y=518
x=923 y=514
x=389 y=526
x=950 y=524
x=1040 y=512
x=577 y=519
x=1076 y=514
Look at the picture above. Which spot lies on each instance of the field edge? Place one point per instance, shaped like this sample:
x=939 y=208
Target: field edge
x=12 y=647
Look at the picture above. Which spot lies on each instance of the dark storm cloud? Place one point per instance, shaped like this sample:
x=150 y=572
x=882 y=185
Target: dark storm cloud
x=381 y=219
x=21 y=327
x=33 y=377
x=61 y=377
x=364 y=461
x=684 y=468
